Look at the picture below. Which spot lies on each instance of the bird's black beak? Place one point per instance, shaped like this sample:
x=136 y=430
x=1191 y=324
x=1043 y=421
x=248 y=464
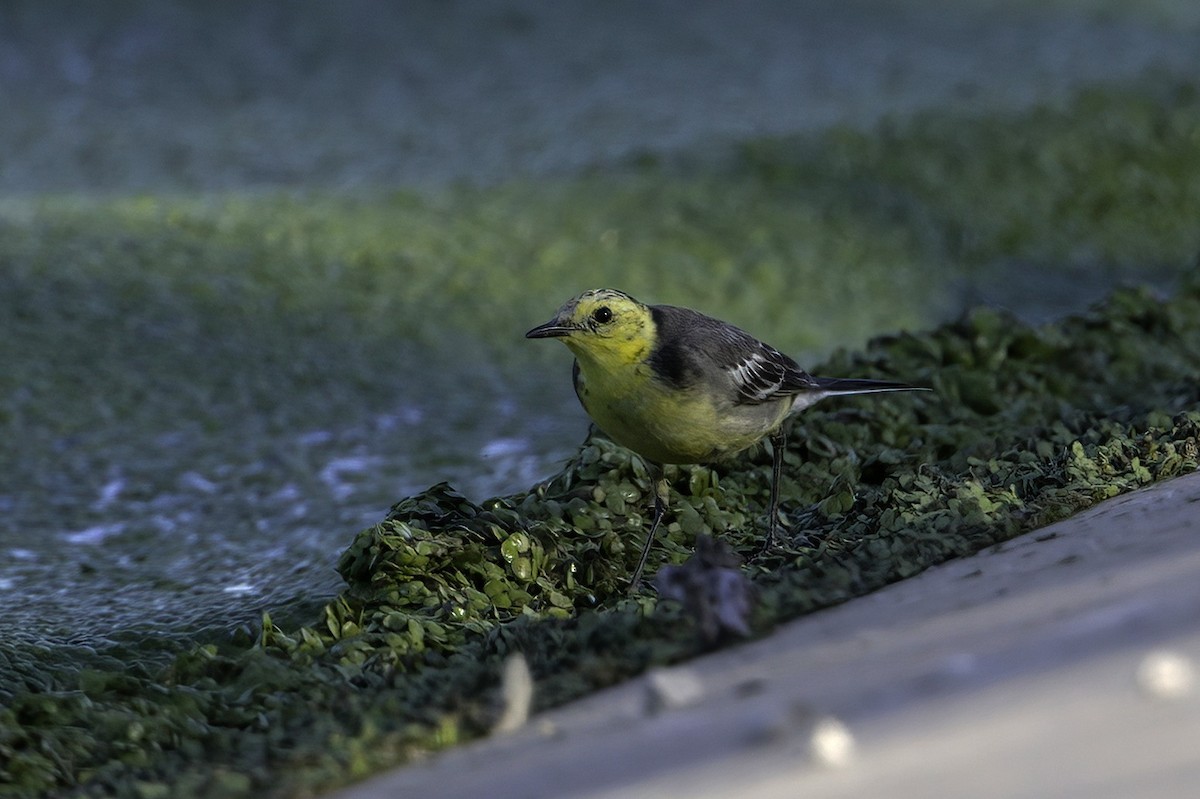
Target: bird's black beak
x=552 y=329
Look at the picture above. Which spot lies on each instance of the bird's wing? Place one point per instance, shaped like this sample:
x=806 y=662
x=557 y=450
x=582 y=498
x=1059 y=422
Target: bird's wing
x=692 y=345
x=759 y=372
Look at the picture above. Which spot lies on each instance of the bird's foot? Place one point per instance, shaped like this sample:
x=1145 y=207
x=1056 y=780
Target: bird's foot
x=768 y=547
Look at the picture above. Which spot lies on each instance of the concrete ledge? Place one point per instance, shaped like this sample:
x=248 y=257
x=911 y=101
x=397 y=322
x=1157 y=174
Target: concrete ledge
x=1065 y=662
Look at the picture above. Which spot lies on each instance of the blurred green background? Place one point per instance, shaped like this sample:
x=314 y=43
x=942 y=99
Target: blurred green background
x=266 y=269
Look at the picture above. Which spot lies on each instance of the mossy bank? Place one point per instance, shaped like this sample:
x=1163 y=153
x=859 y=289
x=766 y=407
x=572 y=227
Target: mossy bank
x=1025 y=427
x=271 y=314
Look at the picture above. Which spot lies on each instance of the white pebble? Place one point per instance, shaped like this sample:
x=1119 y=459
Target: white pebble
x=832 y=743
x=1166 y=675
x=671 y=689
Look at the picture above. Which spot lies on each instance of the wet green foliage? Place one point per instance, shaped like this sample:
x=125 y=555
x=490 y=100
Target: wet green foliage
x=1082 y=187
x=246 y=303
x=1024 y=426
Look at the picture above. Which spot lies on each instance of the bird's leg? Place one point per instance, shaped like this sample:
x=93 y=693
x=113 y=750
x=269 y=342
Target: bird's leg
x=778 y=440
x=662 y=494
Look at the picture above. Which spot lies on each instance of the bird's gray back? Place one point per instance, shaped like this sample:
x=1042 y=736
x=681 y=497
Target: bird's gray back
x=692 y=345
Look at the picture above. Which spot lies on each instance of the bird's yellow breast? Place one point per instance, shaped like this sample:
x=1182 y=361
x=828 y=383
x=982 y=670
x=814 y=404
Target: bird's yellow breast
x=662 y=423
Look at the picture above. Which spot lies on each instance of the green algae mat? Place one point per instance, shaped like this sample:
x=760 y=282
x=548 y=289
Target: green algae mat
x=1024 y=426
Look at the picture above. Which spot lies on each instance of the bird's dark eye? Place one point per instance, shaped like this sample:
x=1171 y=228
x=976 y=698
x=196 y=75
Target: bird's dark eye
x=603 y=314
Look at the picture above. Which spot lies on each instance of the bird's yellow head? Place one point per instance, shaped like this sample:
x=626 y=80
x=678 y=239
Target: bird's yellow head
x=604 y=326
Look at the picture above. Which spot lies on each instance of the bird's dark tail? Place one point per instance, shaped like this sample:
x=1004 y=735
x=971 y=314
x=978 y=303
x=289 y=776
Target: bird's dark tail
x=841 y=385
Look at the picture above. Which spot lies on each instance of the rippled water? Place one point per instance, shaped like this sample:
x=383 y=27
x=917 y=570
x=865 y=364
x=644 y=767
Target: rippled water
x=195 y=535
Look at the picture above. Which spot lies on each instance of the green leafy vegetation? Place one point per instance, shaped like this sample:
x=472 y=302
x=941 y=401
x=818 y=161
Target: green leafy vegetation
x=1025 y=426
x=267 y=314
x=1111 y=181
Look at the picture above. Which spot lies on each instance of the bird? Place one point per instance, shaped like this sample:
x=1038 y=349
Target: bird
x=677 y=386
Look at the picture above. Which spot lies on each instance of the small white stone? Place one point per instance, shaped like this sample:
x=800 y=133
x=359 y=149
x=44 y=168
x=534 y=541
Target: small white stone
x=671 y=689
x=1166 y=675
x=832 y=743
x=516 y=684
